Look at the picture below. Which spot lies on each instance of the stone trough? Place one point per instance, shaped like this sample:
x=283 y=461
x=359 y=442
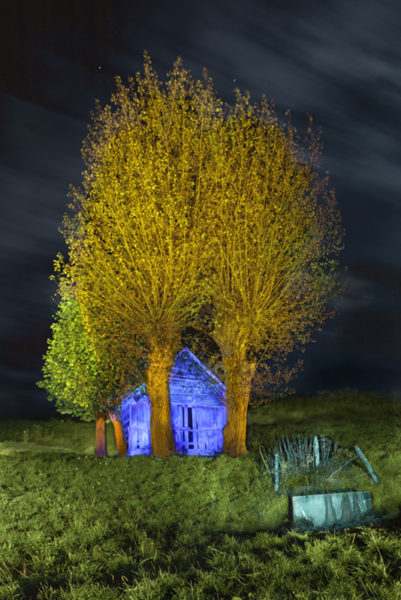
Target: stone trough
x=331 y=510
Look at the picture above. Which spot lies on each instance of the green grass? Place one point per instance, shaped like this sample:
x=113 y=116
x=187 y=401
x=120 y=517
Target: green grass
x=75 y=526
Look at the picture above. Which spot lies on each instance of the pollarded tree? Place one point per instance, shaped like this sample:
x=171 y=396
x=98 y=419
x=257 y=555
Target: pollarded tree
x=274 y=234
x=137 y=239
x=81 y=382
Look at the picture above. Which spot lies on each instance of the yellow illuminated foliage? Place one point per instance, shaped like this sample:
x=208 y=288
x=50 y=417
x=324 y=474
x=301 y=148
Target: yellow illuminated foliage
x=135 y=241
x=274 y=234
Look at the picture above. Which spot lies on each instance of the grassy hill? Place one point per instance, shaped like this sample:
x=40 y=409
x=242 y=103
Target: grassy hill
x=75 y=526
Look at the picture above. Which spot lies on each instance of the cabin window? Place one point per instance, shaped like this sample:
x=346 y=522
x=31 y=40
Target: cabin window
x=190 y=432
x=187 y=427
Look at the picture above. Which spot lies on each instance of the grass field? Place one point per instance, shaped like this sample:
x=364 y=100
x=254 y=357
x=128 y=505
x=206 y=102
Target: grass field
x=78 y=527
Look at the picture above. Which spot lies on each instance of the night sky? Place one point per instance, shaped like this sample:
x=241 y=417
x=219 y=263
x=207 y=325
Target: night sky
x=340 y=61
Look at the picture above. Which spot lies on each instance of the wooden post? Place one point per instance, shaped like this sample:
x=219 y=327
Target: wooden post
x=276 y=471
x=366 y=463
x=316 y=450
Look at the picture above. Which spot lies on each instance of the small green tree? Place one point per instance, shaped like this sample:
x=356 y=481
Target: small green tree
x=77 y=378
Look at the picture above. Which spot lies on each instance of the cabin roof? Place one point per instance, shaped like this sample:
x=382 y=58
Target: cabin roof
x=186 y=352
x=190 y=381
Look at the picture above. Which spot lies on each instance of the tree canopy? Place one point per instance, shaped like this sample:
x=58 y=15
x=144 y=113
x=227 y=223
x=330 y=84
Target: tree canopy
x=197 y=214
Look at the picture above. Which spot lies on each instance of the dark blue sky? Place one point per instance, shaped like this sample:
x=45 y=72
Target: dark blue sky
x=337 y=60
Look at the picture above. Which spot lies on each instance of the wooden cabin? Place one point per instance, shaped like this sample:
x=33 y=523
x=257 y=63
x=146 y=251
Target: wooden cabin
x=198 y=410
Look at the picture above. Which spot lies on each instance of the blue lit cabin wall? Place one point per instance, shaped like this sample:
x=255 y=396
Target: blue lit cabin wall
x=198 y=430
x=135 y=421
x=198 y=411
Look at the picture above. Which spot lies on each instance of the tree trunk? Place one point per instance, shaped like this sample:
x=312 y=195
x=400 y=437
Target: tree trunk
x=100 y=440
x=118 y=434
x=160 y=362
x=238 y=375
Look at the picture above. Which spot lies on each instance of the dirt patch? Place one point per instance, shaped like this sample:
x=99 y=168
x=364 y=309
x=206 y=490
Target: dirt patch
x=10 y=447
